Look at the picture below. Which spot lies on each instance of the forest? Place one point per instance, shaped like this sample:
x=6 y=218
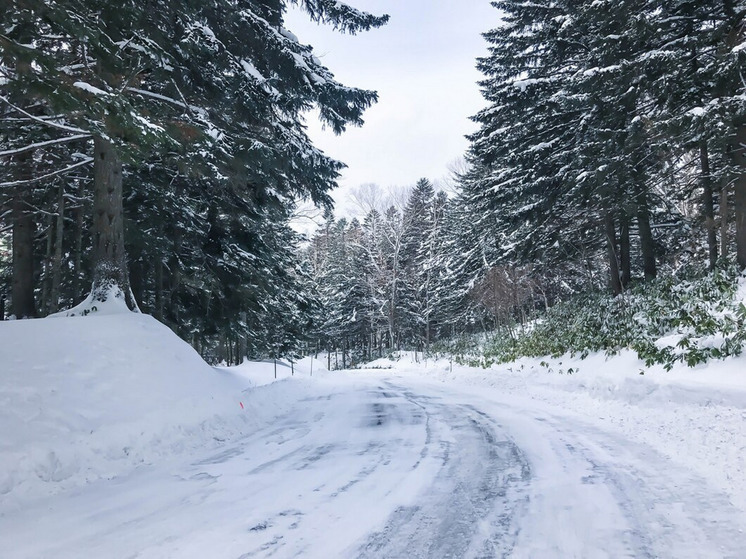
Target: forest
x=155 y=152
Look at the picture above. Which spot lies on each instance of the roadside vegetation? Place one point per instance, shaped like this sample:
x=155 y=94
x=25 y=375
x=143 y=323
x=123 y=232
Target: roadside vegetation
x=691 y=315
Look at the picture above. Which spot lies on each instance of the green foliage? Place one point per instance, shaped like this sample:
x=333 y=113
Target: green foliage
x=205 y=103
x=687 y=317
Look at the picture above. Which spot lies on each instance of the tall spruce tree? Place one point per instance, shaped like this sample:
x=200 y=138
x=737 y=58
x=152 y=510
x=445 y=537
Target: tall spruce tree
x=219 y=85
x=417 y=223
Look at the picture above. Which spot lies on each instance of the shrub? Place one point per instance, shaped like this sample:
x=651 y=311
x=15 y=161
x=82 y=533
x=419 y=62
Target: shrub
x=689 y=316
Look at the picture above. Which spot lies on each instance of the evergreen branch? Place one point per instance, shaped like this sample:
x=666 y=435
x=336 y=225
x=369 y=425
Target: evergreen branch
x=163 y=98
x=32 y=147
x=19 y=119
x=48 y=175
x=73 y=67
x=38 y=210
x=45 y=122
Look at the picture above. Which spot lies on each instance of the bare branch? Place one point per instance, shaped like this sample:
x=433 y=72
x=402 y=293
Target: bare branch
x=189 y=110
x=20 y=119
x=47 y=123
x=160 y=97
x=67 y=169
x=32 y=147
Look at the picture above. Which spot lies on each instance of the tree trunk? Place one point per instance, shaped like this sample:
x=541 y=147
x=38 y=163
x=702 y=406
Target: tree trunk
x=708 y=205
x=739 y=195
x=625 y=259
x=22 y=294
x=138 y=282
x=345 y=346
x=158 y=288
x=647 y=244
x=427 y=330
x=46 y=281
x=54 y=292
x=173 y=271
x=110 y=276
x=611 y=252
x=724 y=219
x=79 y=224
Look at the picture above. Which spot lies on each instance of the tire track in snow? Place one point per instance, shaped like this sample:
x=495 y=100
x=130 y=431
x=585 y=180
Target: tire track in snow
x=592 y=493
x=469 y=509
x=671 y=512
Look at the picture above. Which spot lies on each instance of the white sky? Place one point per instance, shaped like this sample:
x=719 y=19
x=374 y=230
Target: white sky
x=422 y=63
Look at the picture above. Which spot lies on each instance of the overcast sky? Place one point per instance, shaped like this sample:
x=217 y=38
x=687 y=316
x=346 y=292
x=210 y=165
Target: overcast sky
x=422 y=63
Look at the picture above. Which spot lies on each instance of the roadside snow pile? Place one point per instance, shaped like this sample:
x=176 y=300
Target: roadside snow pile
x=695 y=416
x=114 y=303
x=91 y=397
x=261 y=373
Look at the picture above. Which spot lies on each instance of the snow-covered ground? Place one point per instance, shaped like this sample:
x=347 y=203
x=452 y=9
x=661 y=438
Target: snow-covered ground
x=119 y=441
x=694 y=416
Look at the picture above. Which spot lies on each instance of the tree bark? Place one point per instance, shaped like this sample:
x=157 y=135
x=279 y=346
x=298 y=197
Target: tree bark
x=110 y=275
x=54 y=292
x=647 y=244
x=625 y=258
x=708 y=205
x=158 y=288
x=739 y=195
x=724 y=219
x=46 y=283
x=79 y=225
x=46 y=265
x=22 y=294
x=611 y=252
x=24 y=228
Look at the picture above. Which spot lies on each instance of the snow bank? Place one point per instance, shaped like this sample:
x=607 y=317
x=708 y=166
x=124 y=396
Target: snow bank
x=262 y=373
x=86 y=398
x=695 y=416
x=113 y=304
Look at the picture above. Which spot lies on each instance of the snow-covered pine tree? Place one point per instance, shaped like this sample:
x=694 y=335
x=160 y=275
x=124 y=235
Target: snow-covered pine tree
x=694 y=66
x=417 y=222
x=431 y=266
x=563 y=160
x=222 y=84
x=342 y=288
x=517 y=189
x=394 y=286
x=373 y=263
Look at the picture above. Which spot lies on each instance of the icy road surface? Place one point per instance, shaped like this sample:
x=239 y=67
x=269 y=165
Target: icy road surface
x=380 y=467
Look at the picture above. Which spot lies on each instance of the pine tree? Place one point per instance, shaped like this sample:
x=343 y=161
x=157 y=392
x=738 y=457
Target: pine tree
x=374 y=265
x=222 y=86
x=694 y=66
x=417 y=222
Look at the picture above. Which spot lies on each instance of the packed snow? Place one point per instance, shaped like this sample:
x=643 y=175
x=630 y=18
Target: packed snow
x=119 y=441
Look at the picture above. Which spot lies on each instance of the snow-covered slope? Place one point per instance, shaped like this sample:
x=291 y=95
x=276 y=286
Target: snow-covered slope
x=86 y=398
x=119 y=441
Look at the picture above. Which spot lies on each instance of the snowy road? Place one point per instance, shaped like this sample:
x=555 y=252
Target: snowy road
x=402 y=468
